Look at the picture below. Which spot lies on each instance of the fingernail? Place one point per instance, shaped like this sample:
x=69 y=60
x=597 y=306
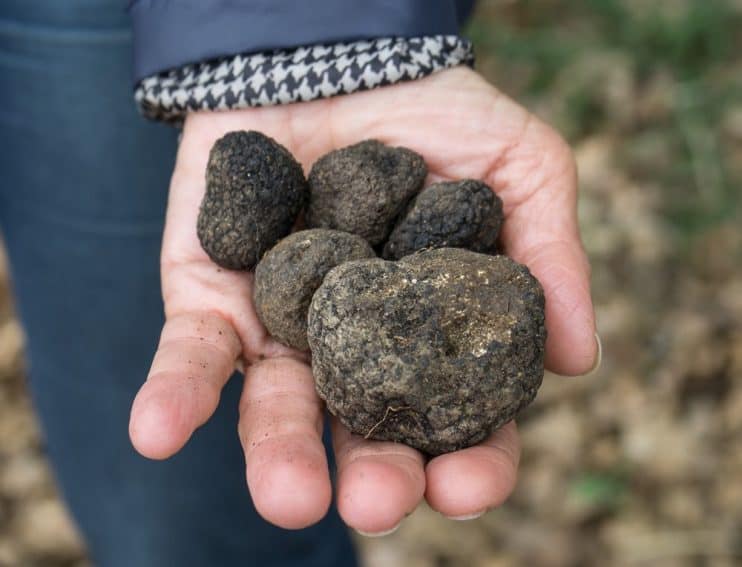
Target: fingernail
x=598 y=355
x=466 y=517
x=380 y=534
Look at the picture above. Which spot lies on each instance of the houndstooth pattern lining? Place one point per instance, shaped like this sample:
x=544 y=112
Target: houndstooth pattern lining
x=302 y=74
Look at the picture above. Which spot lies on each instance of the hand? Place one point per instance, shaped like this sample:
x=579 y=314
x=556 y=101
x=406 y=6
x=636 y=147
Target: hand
x=464 y=128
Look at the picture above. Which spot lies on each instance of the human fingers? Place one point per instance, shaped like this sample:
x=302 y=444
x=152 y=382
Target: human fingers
x=464 y=484
x=378 y=482
x=194 y=359
x=280 y=428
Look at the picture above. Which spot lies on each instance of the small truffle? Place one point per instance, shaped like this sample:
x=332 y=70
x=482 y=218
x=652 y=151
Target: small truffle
x=254 y=191
x=436 y=351
x=461 y=214
x=290 y=273
x=362 y=188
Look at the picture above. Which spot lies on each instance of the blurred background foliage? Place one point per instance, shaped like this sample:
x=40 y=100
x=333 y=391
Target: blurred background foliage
x=591 y=62
x=639 y=463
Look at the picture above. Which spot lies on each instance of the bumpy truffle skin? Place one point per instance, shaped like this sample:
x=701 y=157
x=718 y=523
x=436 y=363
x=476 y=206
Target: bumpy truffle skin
x=290 y=273
x=436 y=351
x=461 y=214
x=362 y=188
x=254 y=191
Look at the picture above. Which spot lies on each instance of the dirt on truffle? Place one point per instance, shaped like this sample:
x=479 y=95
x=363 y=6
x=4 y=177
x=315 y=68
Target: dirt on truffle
x=254 y=191
x=461 y=214
x=362 y=188
x=290 y=273
x=435 y=351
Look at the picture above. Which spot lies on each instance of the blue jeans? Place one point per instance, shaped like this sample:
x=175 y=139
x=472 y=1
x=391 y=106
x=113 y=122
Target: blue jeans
x=83 y=184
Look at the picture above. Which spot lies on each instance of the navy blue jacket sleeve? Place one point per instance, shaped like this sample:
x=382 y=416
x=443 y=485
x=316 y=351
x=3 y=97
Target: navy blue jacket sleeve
x=173 y=33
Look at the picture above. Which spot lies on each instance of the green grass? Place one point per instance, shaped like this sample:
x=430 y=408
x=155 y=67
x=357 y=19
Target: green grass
x=688 y=42
x=696 y=43
x=605 y=491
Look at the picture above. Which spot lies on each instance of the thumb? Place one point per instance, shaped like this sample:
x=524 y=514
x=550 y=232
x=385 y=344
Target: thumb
x=541 y=232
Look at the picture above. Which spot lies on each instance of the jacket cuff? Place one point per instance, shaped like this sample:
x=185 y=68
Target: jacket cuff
x=170 y=34
x=292 y=75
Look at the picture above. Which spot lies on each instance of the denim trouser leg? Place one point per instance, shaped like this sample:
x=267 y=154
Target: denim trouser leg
x=83 y=184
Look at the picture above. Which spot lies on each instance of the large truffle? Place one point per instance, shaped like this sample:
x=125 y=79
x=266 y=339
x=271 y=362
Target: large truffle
x=461 y=214
x=435 y=351
x=289 y=274
x=363 y=188
x=254 y=191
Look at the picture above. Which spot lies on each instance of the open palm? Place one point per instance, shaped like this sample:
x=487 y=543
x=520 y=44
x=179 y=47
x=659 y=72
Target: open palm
x=463 y=128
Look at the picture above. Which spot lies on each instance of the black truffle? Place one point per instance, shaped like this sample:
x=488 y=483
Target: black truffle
x=435 y=351
x=460 y=214
x=363 y=188
x=289 y=274
x=254 y=191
